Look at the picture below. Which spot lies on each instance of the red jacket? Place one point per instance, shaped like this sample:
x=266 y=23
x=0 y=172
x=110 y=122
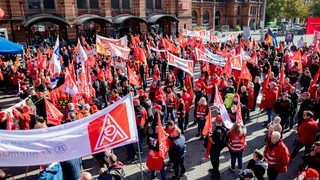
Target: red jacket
x=251 y=98
x=171 y=100
x=307 y=131
x=24 y=119
x=236 y=143
x=270 y=97
x=141 y=117
x=187 y=98
x=277 y=155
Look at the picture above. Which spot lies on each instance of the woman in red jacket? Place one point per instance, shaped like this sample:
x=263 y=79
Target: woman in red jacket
x=236 y=145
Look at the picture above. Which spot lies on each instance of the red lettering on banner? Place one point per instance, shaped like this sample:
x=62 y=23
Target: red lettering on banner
x=109 y=130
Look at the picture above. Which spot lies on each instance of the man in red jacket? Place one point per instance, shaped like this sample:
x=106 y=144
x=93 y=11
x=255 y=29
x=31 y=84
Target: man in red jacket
x=307 y=134
x=24 y=117
x=269 y=98
x=277 y=155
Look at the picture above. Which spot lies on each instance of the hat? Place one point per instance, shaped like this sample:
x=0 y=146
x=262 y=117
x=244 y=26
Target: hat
x=219 y=118
x=154 y=78
x=169 y=90
x=247 y=173
x=159 y=97
x=2 y=114
x=277 y=118
x=311 y=173
x=140 y=91
x=23 y=88
x=198 y=85
x=145 y=95
x=158 y=107
x=26 y=108
x=236 y=96
x=136 y=102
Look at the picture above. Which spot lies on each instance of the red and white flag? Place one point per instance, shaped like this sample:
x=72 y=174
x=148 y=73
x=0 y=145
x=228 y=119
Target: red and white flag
x=223 y=111
x=239 y=112
x=163 y=140
x=236 y=62
x=70 y=86
x=183 y=64
x=245 y=74
x=10 y=124
x=109 y=128
x=54 y=116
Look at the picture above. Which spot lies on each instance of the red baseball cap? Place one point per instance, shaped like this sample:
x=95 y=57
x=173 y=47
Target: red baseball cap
x=2 y=114
x=158 y=107
x=311 y=173
x=219 y=118
x=136 y=102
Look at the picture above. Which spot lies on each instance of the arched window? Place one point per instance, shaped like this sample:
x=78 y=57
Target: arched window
x=205 y=21
x=217 y=20
x=194 y=18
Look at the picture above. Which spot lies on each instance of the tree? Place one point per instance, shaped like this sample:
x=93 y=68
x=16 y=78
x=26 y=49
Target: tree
x=316 y=11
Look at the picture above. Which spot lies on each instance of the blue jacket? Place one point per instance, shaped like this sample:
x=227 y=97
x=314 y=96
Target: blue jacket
x=176 y=150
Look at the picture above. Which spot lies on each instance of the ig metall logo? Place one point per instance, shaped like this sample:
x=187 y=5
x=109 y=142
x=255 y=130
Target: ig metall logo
x=60 y=148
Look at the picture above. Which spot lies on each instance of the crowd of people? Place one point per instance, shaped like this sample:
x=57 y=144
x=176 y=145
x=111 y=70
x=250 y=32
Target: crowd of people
x=290 y=97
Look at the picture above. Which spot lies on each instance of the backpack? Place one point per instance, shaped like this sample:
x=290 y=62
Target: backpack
x=224 y=137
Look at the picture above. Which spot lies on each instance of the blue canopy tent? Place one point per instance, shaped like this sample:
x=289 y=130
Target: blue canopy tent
x=9 y=48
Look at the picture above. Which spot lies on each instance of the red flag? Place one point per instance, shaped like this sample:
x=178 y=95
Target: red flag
x=1 y=13
x=239 y=112
x=266 y=81
x=182 y=41
x=245 y=74
x=54 y=116
x=140 y=54
x=207 y=156
x=108 y=75
x=170 y=47
x=163 y=140
x=253 y=58
x=315 y=79
x=227 y=69
x=42 y=62
x=297 y=58
x=133 y=78
x=100 y=74
x=208 y=126
x=10 y=124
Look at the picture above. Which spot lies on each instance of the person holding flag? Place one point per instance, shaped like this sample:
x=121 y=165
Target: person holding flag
x=177 y=154
x=180 y=106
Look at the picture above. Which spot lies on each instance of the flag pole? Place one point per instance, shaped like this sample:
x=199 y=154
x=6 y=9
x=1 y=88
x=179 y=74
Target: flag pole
x=140 y=161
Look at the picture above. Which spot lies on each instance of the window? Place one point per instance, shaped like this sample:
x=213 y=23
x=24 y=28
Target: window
x=94 y=4
x=206 y=19
x=81 y=4
x=157 y=4
x=125 y=4
x=48 y=4
x=115 y=4
x=34 y=4
x=149 y=4
x=238 y=10
x=194 y=18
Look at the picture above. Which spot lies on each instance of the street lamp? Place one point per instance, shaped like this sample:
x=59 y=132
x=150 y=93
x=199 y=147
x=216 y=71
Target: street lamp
x=263 y=19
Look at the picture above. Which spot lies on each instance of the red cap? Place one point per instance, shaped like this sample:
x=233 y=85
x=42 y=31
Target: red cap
x=94 y=109
x=159 y=97
x=145 y=95
x=136 y=102
x=219 y=118
x=236 y=96
x=154 y=78
x=158 y=107
x=198 y=85
x=2 y=114
x=26 y=108
x=23 y=88
x=169 y=90
x=311 y=173
x=40 y=93
x=140 y=91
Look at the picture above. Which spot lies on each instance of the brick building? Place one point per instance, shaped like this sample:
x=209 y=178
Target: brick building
x=34 y=21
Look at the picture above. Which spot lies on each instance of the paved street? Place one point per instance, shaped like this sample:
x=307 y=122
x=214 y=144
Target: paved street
x=197 y=167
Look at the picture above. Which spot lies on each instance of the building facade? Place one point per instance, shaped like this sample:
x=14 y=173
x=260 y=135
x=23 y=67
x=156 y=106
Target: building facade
x=36 y=21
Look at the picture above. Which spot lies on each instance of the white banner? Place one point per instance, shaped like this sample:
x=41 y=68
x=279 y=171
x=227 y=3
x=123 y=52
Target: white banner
x=109 y=128
x=208 y=56
x=117 y=51
x=157 y=50
x=183 y=64
x=201 y=33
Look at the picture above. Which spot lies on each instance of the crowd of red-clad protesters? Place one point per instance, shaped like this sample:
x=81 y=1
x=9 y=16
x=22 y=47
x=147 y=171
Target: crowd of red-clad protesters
x=290 y=96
